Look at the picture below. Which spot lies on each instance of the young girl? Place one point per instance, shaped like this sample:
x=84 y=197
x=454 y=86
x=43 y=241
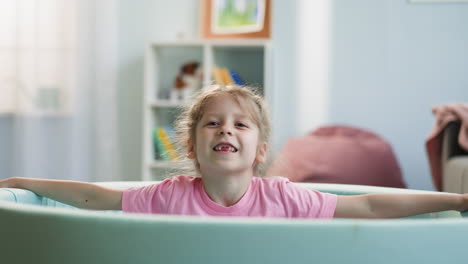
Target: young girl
x=225 y=133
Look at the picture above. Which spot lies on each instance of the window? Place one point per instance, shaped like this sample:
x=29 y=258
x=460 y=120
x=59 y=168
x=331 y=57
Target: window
x=37 y=63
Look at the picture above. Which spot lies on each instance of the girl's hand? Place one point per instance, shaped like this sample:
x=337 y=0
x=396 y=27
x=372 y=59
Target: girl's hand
x=464 y=202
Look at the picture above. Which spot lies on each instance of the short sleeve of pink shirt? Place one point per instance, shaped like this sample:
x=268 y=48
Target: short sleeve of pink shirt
x=265 y=197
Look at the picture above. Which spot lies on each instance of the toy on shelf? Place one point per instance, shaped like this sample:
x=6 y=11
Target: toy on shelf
x=187 y=81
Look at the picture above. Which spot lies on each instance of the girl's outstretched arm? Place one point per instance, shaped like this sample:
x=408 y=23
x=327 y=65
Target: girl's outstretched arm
x=398 y=205
x=78 y=194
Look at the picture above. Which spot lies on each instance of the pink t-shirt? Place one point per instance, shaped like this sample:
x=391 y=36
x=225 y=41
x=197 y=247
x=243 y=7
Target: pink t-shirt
x=265 y=197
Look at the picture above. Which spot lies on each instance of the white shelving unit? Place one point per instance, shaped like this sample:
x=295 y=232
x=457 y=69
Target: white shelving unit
x=251 y=59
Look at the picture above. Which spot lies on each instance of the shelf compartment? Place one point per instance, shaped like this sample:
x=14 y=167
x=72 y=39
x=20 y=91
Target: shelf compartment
x=168 y=62
x=246 y=61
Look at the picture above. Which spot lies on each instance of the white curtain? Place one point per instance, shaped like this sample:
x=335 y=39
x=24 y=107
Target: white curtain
x=58 y=95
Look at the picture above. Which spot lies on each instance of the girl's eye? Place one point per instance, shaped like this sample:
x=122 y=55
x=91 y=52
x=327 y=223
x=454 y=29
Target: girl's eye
x=212 y=123
x=241 y=125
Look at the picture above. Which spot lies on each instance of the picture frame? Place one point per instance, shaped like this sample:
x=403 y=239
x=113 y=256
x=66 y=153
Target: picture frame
x=216 y=20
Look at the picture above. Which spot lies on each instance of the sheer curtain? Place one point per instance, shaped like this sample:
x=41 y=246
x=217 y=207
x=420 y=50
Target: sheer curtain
x=58 y=95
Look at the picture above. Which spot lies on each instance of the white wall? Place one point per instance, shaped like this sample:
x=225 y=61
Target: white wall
x=142 y=21
x=313 y=45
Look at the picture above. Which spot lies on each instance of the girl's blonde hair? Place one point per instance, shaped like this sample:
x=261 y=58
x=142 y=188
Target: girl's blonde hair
x=186 y=123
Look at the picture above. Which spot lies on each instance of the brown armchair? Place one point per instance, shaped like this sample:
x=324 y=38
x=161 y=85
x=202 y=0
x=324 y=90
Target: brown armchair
x=454 y=161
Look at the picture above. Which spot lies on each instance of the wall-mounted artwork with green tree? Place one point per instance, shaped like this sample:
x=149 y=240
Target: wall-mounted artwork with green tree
x=235 y=19
x=237 y=16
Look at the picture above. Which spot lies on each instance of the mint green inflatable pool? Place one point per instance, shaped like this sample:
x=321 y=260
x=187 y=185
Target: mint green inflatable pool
x=34 y=229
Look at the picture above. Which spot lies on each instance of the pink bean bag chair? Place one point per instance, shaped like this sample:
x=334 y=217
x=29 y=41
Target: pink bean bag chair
x=339 y=154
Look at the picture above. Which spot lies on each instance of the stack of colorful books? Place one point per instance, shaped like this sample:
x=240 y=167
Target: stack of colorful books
x=164 y=144
x=225 y=76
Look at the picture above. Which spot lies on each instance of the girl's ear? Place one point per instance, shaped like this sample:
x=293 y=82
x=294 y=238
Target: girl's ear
x=190 y=150
x=261 y=153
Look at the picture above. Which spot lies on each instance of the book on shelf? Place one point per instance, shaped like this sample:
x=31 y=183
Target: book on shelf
x=160 y=152
x=225 y=76
x=164 y=143
x=236 y=78
x=218 y=75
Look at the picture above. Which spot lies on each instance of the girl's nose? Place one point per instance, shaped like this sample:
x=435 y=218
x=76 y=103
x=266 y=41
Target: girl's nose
x=225 y=131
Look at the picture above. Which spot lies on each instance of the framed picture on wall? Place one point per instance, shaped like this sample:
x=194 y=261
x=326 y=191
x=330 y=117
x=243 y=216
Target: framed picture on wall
x=235 y=18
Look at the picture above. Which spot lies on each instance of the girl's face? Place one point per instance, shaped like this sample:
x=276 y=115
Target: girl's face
x=226 y=139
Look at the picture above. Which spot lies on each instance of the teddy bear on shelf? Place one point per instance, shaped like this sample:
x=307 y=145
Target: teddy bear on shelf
x=187 y=81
